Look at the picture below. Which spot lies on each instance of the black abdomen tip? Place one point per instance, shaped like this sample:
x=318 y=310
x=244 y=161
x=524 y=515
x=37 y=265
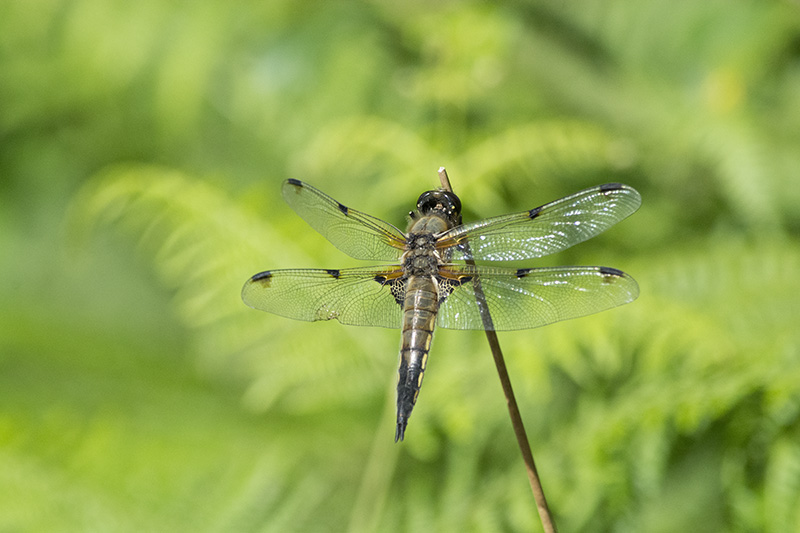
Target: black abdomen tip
x=401 y=428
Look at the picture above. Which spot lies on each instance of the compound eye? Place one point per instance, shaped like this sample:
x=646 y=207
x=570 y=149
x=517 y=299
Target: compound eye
x=441 y=201
x=427 y=201
x=453 y=203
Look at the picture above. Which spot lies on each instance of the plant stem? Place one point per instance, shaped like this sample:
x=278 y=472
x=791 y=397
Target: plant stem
x=513 y=410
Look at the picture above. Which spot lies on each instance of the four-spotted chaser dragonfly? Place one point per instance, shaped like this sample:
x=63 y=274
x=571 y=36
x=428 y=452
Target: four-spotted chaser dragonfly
x=430 y=279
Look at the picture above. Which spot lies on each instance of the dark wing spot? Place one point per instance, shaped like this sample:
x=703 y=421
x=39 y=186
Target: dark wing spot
x=448 y=285
x=610 y=275
x=264 y=278
x=606 y=187
x=522 y=272
x=608 y=271
x=343 y=208
x=398 y=288
x=333 y=273
x=296 y=183
x=533 y=213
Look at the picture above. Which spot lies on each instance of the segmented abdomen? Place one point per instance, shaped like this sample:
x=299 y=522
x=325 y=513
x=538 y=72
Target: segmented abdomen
x=419 y=317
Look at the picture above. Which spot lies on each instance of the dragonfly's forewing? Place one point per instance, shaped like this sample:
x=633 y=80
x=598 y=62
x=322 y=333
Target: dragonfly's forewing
x=355 y=233
x=544 y=230
x=354 y=296
x=530 y=297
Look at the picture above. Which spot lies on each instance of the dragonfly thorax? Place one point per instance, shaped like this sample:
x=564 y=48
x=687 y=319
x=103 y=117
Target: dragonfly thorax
x=421 y=259
x=421 y=241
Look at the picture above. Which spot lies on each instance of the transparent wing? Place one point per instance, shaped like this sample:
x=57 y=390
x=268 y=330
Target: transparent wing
x=355 y=233
x=355 y=296
x=530 y=297
x=544 y=230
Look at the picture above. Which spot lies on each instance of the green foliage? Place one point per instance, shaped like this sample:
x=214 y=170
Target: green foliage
x=144 y=146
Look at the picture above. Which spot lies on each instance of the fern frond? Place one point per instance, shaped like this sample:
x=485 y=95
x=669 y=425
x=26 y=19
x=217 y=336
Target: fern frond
x=205 y=246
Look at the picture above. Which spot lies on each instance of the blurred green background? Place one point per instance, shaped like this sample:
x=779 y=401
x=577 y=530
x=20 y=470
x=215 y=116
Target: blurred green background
x=142 y=147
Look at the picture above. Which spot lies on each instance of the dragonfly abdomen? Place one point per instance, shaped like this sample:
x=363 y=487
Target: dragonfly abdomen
x=419 y=317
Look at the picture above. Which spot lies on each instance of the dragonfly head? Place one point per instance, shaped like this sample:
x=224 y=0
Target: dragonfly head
x=442 y=203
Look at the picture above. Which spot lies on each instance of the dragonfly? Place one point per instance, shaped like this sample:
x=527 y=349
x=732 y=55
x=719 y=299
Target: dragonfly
x=428 y=277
